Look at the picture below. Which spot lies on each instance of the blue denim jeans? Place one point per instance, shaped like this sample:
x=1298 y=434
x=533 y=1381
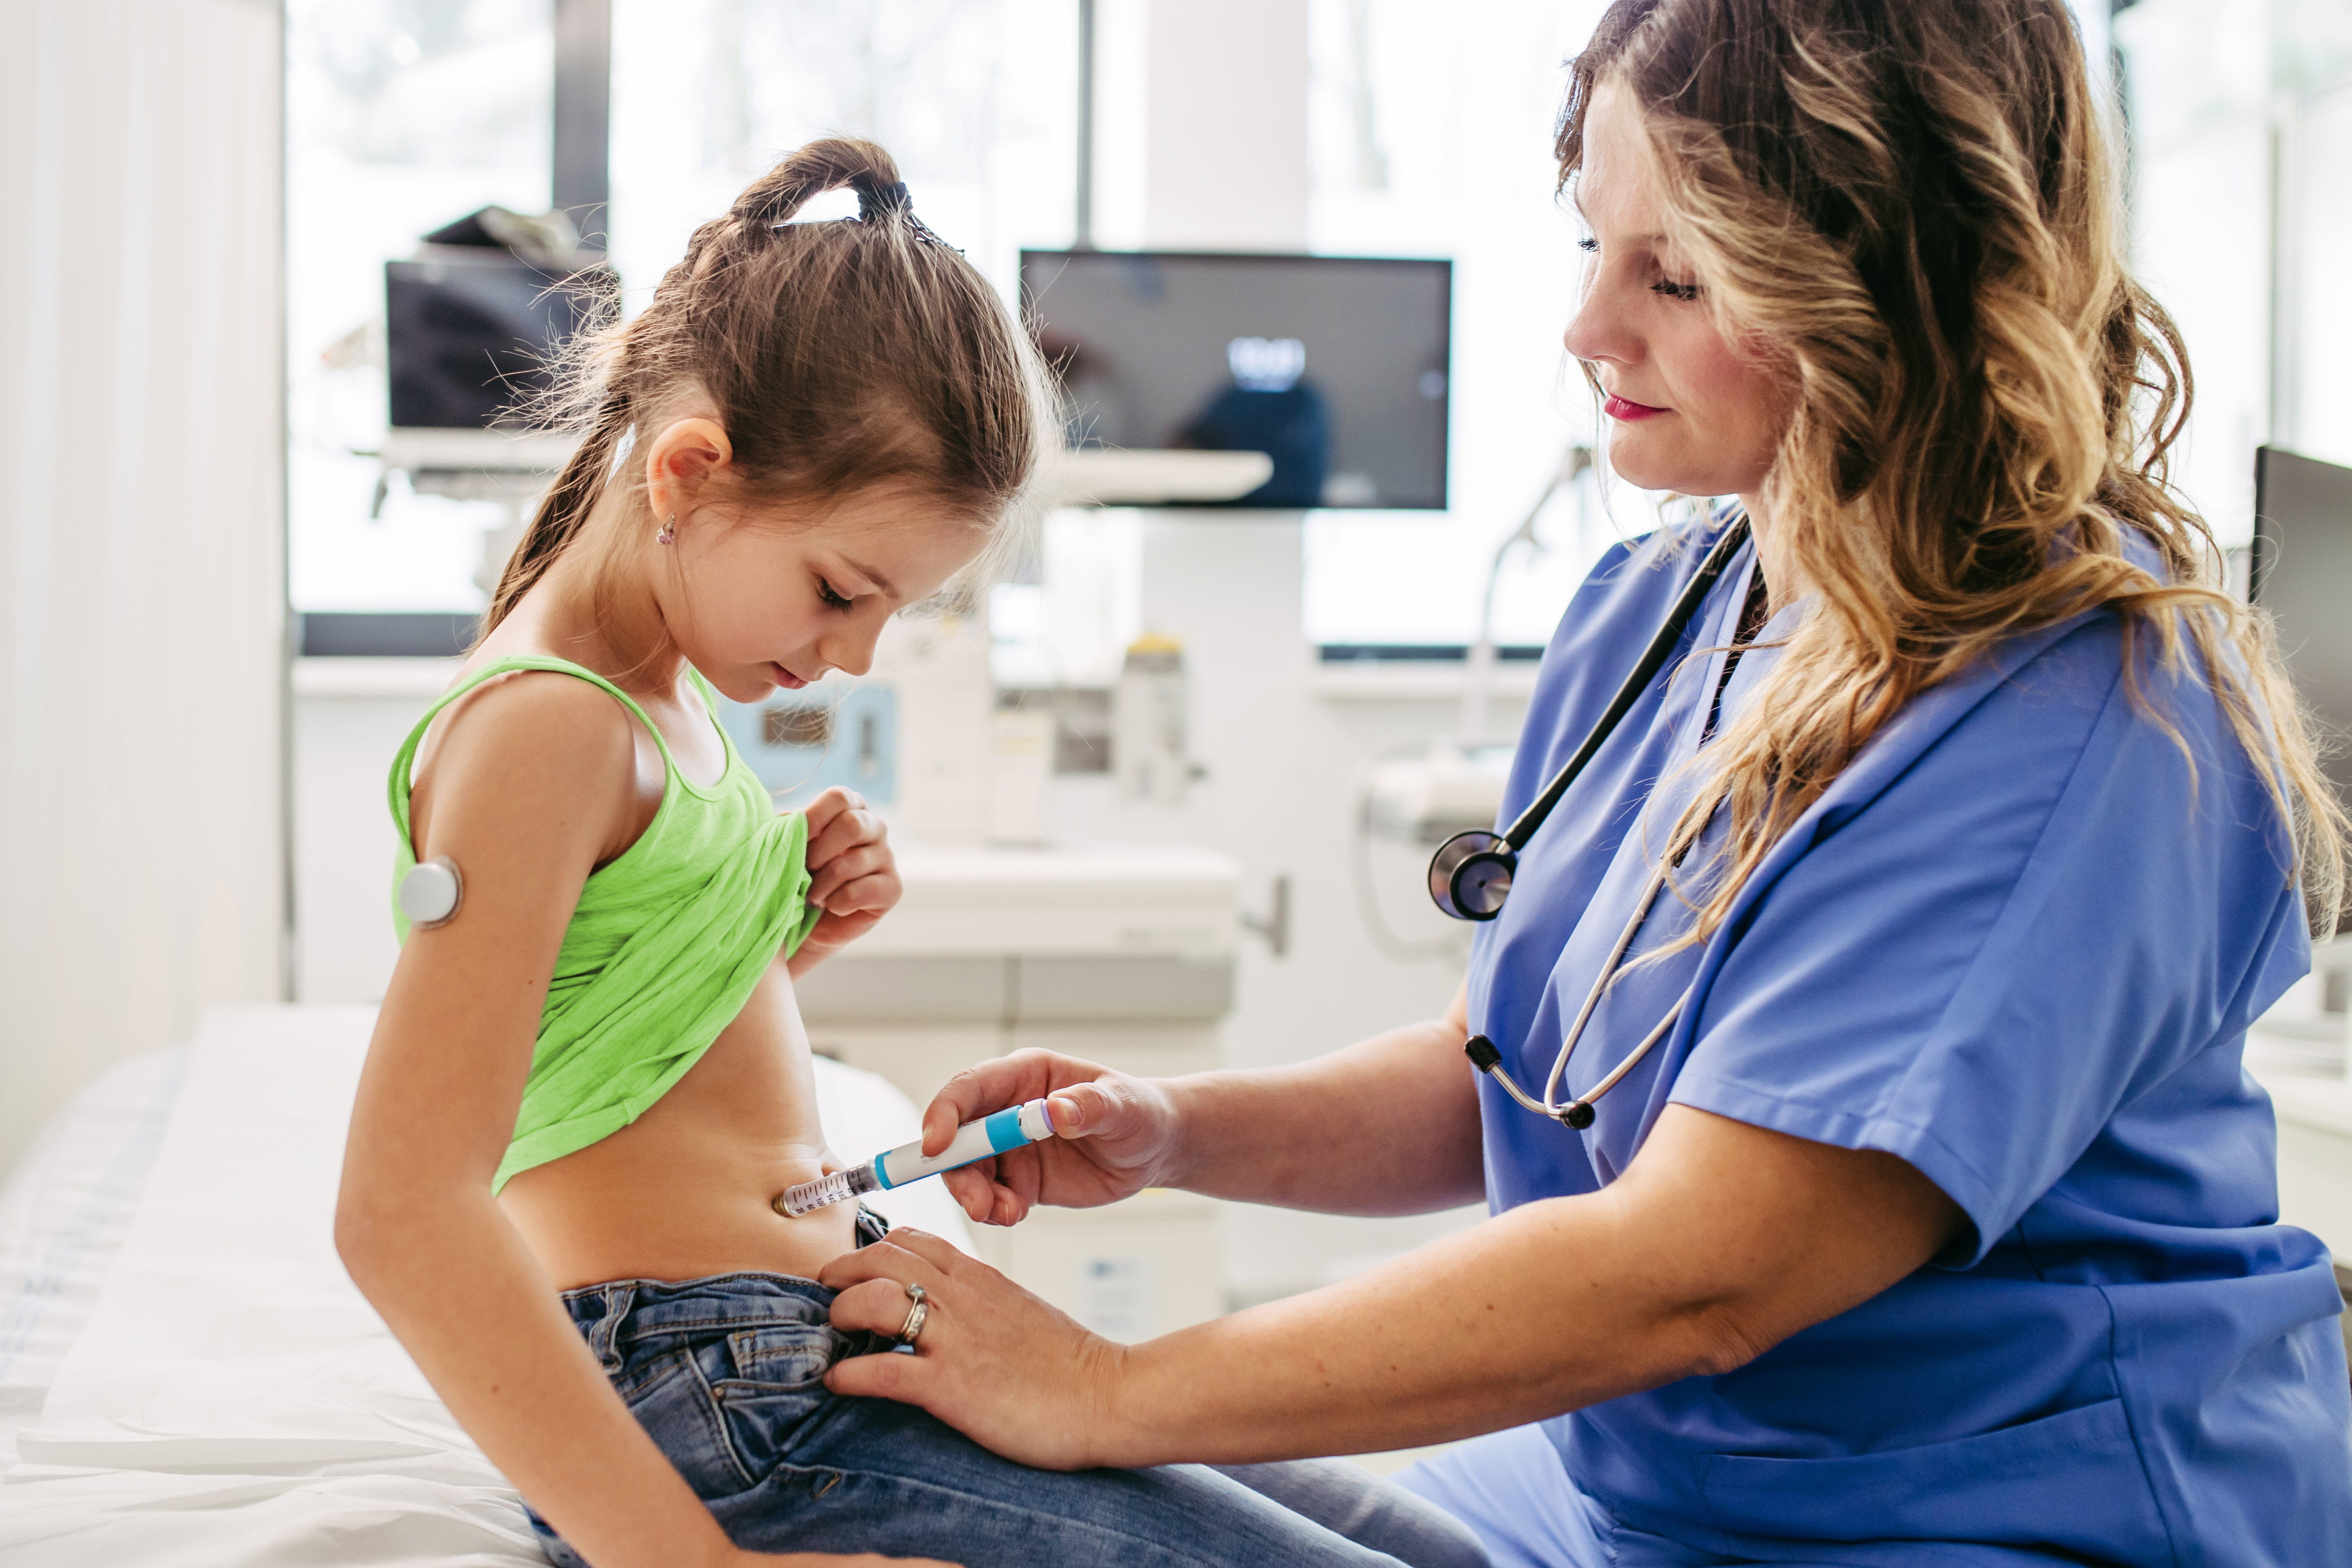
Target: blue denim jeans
x=727 y=1374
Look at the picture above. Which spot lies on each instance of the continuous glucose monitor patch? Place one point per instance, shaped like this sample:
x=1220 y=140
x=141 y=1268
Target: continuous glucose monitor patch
x=431 y=892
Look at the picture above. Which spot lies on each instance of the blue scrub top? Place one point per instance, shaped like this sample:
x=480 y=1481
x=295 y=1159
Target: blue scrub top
x=2017 y=943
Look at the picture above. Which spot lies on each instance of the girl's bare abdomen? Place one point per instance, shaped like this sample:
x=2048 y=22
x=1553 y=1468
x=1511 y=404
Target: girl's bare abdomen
x=685 y=1191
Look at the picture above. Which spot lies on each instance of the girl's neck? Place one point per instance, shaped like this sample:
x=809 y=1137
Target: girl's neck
x=614 y=627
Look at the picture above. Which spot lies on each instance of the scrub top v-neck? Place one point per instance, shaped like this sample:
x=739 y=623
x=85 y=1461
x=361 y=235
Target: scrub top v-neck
x=2017 y=943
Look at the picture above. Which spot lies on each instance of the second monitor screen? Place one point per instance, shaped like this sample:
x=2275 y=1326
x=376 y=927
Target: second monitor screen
x=1335 y=367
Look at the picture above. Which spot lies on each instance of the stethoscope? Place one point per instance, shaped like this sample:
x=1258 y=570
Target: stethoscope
x=1470 y=875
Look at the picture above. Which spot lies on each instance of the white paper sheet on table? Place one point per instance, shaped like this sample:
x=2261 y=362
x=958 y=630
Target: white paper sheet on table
x=233 y=1399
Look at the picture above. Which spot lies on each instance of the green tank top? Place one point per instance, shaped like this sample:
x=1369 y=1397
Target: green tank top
x=663 y=948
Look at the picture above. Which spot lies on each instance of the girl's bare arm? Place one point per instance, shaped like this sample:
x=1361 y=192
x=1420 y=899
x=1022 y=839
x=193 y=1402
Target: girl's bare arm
x=529 y=791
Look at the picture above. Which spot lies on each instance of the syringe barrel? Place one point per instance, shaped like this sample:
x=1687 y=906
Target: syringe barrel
x=838 y=1187
x=975 y=1140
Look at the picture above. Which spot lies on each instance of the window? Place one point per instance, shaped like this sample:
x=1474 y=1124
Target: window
x=407 y=115
x=401 y=116
x=1428 y=137
x=976 y=99
x=2242 y=125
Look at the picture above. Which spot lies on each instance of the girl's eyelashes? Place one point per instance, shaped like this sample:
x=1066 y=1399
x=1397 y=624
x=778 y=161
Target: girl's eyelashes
x=832 y=600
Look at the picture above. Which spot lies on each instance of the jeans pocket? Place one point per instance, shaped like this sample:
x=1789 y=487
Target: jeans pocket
x=780 y=1356
x=768 y=1387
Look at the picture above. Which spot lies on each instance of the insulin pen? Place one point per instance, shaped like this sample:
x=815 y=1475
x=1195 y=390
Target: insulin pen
x=975 y=1140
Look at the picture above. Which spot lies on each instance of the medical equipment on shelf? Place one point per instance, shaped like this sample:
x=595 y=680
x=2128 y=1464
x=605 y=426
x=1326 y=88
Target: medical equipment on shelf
x=1013 y=1128
x=431 y=892
x=1470 y=875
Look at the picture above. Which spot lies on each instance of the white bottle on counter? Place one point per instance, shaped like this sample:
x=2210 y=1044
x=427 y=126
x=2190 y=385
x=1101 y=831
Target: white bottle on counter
x=1148 y=752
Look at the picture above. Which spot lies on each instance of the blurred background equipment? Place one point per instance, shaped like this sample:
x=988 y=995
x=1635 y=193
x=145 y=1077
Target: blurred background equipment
x=1150 y=719
x=475 y=325
x=2301 y=574
x=476 y=318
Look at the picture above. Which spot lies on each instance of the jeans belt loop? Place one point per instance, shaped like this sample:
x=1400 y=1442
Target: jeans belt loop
x=604 y=1337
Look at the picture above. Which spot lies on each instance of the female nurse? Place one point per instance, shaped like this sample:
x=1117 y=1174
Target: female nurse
x=1940 y=1225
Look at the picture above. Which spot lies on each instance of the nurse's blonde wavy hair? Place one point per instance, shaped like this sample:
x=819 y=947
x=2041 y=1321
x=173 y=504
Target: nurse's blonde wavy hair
x=1912 y=204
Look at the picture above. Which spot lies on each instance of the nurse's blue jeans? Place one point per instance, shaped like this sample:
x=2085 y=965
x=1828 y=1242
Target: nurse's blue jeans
x=726 y=1375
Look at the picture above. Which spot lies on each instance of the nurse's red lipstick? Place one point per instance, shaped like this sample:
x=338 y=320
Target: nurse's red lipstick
x=1618 y=407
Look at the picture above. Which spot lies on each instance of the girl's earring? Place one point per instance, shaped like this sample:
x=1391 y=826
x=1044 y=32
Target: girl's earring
x=668 y=533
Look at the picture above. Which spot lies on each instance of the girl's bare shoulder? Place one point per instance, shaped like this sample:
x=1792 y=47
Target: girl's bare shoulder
x=528 y=742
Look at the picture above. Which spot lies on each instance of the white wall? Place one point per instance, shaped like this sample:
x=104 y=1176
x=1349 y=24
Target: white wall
x=141 y=577
x=349 y=719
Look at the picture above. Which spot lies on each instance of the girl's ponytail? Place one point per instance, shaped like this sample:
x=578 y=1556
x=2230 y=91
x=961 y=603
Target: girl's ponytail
x=563 y=510
x=832 y=164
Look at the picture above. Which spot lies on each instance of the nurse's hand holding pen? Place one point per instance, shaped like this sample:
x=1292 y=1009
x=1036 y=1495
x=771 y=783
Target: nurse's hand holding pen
x=1116 y=1135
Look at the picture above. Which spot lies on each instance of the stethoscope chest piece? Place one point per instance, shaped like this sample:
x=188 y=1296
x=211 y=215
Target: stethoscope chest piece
x=1470 y=875
x=431 y=892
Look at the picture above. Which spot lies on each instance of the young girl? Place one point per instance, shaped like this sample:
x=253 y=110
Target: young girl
x=589 y=1082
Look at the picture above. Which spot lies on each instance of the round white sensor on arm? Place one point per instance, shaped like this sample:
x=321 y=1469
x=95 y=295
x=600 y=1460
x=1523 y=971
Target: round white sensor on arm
x=431 y=892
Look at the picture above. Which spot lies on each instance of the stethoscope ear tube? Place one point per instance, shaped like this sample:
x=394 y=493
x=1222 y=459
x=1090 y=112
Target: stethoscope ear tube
x=1470 y=875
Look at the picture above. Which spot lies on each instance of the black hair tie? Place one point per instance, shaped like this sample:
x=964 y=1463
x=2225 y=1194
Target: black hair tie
x=877 y=200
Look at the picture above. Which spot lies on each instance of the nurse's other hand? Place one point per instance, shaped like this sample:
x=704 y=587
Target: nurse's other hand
x=853 y=873
x=1114 y=1135
x=992 y=1361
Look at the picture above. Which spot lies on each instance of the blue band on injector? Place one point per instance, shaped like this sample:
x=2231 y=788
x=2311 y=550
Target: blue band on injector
x=1004 y=1130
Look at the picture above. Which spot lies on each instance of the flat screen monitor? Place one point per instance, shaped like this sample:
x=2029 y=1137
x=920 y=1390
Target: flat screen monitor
x=1337 y=367
x=2301 y=574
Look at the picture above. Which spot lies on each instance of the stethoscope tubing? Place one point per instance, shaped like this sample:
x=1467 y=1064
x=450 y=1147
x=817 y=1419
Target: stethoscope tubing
x=1565 y=1111
x=1578 y=1112
x=1662 y=648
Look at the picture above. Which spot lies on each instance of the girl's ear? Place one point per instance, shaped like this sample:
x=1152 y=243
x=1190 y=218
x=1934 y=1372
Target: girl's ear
x=680 y=460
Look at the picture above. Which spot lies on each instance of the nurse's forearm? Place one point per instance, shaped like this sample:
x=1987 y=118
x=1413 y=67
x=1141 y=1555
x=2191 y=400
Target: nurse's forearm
x=1389 y=1126
x=1463 y=1338
x=1683 y=1266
